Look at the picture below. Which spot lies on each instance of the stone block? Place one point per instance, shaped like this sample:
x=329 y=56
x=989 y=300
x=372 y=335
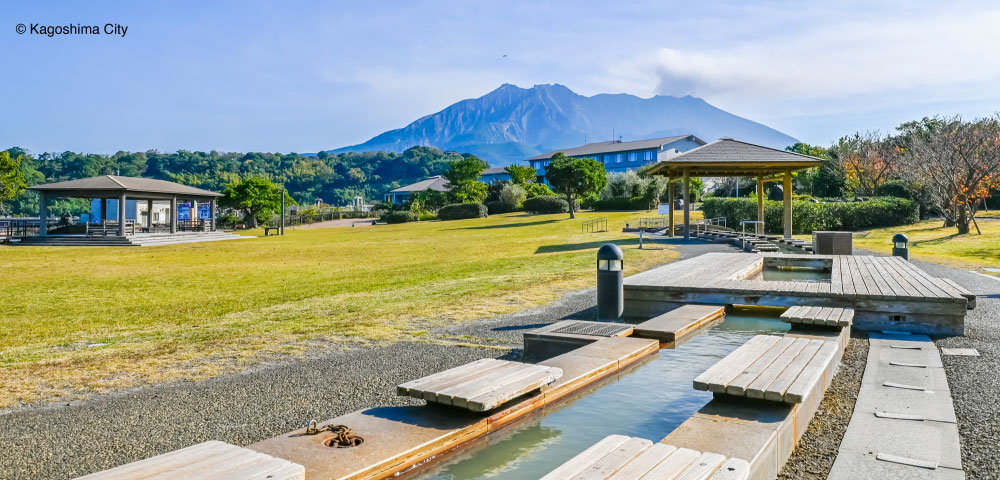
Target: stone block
x=833 y=243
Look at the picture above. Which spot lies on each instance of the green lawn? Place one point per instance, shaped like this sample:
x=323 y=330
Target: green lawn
x=931 y=242
x=79 y=320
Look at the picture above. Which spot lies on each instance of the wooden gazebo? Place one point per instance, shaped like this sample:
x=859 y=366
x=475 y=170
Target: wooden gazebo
x=732 y=158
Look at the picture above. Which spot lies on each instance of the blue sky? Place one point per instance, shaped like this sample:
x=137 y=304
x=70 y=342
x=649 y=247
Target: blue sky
x=304 y=76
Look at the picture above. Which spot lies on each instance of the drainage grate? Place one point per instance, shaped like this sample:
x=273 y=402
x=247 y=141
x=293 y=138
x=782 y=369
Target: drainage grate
x=596 y=329
x=913 y=462
x=965 y=352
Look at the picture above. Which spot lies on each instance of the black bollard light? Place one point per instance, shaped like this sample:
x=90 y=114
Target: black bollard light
x=899 y=248
x=610 y=283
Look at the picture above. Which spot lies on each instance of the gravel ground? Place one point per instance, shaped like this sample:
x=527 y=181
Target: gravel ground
x=68 y=440
x=817 y=449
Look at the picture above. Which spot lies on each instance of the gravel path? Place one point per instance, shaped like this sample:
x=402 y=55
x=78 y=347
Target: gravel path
x=68 y=440
x=817 y=449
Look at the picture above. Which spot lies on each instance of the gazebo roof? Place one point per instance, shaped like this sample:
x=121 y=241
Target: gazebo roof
x=733 y=158
x=133 y=187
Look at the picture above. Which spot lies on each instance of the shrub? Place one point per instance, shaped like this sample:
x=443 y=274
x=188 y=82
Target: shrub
x=500 y=206
x=513 y=195
x=893 y=188
x=808 y=216
x=533 y=190
x=546 y=204
x=399 y=216
x=426 y=216
x=458 y=211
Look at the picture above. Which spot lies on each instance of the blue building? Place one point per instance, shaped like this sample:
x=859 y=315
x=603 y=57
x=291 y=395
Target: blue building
x=494 y=175
x=618 y=156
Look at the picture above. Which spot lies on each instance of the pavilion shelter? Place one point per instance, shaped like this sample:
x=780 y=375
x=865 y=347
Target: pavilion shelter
x=733 y=158
x=123 y=189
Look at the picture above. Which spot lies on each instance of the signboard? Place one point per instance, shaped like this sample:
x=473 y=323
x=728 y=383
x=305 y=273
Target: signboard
x=663 y=209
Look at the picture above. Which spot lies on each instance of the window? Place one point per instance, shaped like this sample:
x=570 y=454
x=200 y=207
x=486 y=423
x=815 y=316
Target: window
x=632 y=157
x=547 y=162
x=607 y=159
x=156 y=217
x=647 y=156
x=619 y=157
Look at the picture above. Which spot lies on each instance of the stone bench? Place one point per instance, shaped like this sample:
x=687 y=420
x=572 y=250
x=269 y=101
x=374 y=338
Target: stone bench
x=206 y=461
x=826 y=316
x=628 y=458
x=482 y=385
x=780 y=369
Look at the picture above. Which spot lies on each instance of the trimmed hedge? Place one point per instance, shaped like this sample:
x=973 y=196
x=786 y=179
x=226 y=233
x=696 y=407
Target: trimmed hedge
x=499 y=206
x=546 y=204
x=458 y=211
x=399 y=216
x=808 y=216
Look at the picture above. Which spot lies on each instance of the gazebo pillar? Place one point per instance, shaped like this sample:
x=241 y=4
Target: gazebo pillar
x=173 y=214
x=687 y=206
x=670 y=197
x=43 y=214
x=211 y=215
x=193 y=214
x=760 y=205
x=149 y=215
x=787 y=188
x=104 y=211
x=121 y=215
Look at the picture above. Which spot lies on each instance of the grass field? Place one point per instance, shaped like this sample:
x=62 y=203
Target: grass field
x=931 y=242
x=81 y=320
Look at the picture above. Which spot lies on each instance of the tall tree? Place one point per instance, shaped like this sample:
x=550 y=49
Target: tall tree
x=521 y=174
x=869 y=159
x=12 y=181
x=575 y=178
x=463 y=175
x=256 y=197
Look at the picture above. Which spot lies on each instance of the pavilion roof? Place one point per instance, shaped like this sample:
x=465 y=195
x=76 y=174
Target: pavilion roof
x=733 y=158
x=115 y=185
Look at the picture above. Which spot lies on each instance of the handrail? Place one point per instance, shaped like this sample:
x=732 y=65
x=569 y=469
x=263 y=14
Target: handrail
x=743 y=229
x=708 y=222
x=595 y=225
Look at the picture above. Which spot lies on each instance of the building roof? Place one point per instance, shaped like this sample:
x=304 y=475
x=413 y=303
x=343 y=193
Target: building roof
x=728 y=157
x=495 y=171
x=115 y=184
x=436 y=182
x=615 y=146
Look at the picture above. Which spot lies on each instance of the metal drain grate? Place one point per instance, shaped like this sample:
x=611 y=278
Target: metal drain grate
x=596 y=329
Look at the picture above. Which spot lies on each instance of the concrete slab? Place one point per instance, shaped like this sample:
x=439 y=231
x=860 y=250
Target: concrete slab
x=755 y=443
x=928 y=440
x=866 y=466
x=965 y=352
x=624 y=350
x=568 y=335
x=874 y=397
x=578 y=370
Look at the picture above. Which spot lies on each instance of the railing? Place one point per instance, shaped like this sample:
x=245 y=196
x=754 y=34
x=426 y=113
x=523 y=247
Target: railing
x=108 y=227
x=595 y=225
x=743 y=230
x=20 y=227
x=653 y=222
x=702 y=225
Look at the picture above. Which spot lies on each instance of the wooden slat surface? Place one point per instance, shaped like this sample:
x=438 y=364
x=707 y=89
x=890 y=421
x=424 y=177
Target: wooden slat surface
x=481 y=385
x=618 y=457
x=208 y=461
x=827 y=316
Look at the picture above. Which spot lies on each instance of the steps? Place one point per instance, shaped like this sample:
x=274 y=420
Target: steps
x=139 y=240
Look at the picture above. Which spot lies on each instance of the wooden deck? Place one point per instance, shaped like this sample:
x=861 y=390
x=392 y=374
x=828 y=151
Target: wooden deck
x=885 y=292
x=781 y=369
x=619 y=457
x=680 y=322
x=821 y=316
x=206 y=461
x=481 y=385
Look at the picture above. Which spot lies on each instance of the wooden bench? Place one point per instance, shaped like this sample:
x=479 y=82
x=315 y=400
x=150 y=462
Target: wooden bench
x=267 y=230
x=971 y=297
x=628 y=458
x=827 y=316
x=206 y=461
x=769 y=367
x=678 y=322
x=481 y=385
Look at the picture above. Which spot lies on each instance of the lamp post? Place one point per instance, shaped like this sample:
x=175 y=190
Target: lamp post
x=899 y=247
x=610 y=283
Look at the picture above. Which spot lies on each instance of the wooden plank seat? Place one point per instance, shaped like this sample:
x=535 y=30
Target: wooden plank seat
x=206 y=461
x=619 y=457
x=481 y=385
x=780 y=369
x=827 y=316
x=678 y=322
x=971 y=297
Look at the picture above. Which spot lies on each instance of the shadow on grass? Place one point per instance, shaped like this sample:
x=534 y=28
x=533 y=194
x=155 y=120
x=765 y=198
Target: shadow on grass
x=573 y=247
x=520 y=327
x=508 y=225
x=936 y=241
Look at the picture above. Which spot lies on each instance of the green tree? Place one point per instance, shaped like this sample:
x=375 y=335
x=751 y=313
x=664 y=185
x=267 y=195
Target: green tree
x=811 y=150
x=12 y=181
x=533 y=190
x=521 y=174
x=576 y=178
x=463 y=175
x=256 y=197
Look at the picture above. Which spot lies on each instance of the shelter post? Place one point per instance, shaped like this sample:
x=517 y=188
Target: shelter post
x=149 y=215
x=173 y=214
x=43 y=214
x=104 y=211
x=760 y=205
x=787 y=187
x=687 y=205
x=193 y=216
x=211 y=215
x=121 y=215
x=670 y=198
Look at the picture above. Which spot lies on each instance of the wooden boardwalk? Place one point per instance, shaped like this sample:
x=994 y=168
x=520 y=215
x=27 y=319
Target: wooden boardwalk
x=885 y=292
x=206 y=461
x=618 y=457
x=823 y=316
x=481 y=385
x=781 y=369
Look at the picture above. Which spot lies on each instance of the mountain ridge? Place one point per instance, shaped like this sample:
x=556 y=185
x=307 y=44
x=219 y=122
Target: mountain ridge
x=510 y=123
